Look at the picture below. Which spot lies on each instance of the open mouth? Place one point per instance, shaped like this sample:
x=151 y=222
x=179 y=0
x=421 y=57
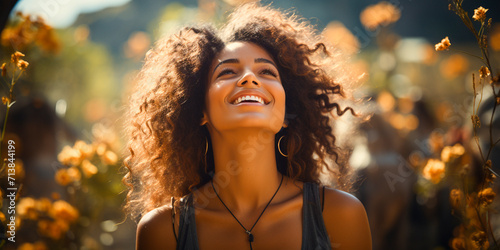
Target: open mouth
x=249 y=99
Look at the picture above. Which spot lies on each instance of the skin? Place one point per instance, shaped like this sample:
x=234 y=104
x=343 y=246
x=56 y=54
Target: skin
x=246 y=176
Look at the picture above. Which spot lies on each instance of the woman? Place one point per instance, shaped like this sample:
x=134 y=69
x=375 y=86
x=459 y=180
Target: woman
x=238 y=124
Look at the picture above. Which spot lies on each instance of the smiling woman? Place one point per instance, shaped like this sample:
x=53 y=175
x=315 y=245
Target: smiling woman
x=230 y=131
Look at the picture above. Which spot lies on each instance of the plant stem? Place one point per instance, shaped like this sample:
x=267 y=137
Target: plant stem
x=467 y=53
x=4 y=126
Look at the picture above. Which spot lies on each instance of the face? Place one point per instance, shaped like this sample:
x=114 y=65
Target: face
x=244 y=90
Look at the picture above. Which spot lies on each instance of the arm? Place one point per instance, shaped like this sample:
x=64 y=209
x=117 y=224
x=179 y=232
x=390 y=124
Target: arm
x=155 y=231
x=346 y=221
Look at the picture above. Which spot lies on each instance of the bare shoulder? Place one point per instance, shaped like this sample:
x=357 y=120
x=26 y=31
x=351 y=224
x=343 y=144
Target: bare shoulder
x=346 y=221
x=155 y=230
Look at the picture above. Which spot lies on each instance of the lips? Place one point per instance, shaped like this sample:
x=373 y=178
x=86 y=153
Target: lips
x=249 y=97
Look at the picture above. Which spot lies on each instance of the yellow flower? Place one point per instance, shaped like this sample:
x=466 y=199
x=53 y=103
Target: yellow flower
x=458 y=149
x=487 y=164
x=53 y=229
x=484 y=72
x=22 y=64
x=14 y=58
x=5 y=100
x=46 y=39
x=4 y=69
x=479 y=240
x=101 y=148
x=27 y=32
x=380 y=14
x=39 y=245
x=69 y=156
x=443 y=45
x=486 y=196
x=88 y=168
x=64 y=211
x=62 y=177
x=446 y=154
x=490 y=177
x=26 y=246
x=479 y=14
x=456 y=198
x=74 y=174
x=65 y=176
x=86 y=151
x=110 y=158
x=26 y=208
x=450 y=153
x=434 y=170
x=44 y=205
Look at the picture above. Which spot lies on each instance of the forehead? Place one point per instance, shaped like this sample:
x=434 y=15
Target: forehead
x=241 y=50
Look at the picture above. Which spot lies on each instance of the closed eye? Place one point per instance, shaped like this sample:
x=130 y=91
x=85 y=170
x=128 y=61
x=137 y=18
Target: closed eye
x=269 y=72
x=225 y=72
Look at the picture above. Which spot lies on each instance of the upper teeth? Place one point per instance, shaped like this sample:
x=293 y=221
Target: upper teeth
x=249 y=97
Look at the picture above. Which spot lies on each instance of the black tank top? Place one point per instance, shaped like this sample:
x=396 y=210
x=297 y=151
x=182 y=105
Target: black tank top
x=314 y=235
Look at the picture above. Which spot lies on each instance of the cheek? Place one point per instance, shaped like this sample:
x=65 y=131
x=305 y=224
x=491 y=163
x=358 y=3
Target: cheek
x=216 y=96
x=280 y=104
x=279 y=95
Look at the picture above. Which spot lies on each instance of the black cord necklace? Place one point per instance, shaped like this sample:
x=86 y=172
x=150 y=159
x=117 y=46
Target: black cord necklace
x=249 y=232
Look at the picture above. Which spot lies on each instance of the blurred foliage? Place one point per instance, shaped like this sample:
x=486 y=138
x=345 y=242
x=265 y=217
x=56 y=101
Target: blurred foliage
x=471 y=197
x=82 y=212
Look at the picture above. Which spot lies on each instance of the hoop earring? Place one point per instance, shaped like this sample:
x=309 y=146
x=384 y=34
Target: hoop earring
x=279 y=149
x=206 y=146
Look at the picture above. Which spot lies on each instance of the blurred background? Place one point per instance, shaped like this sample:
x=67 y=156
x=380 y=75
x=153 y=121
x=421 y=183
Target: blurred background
x=420 y=174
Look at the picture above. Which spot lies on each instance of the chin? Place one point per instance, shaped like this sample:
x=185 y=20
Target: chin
x=269 y=123
x=251 y=123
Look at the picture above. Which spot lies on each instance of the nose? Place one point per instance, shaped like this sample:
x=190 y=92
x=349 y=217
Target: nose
x=249 y=80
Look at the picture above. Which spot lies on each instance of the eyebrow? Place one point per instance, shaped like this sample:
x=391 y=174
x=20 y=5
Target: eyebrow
x=234 y=60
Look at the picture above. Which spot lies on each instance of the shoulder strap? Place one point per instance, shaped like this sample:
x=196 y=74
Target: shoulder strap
x=323 y=200
x=173 y=219
x=314 y=234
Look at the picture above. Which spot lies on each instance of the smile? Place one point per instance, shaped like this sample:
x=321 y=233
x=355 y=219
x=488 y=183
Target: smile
x=249 y=99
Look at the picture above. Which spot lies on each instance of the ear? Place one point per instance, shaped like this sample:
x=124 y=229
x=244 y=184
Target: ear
x=285 y=123
x=204 y=119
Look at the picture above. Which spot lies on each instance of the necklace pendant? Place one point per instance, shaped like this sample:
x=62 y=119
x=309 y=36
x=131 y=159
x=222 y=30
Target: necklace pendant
x=250 y=236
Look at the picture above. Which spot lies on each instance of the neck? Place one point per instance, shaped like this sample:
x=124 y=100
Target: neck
x=246 y=174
